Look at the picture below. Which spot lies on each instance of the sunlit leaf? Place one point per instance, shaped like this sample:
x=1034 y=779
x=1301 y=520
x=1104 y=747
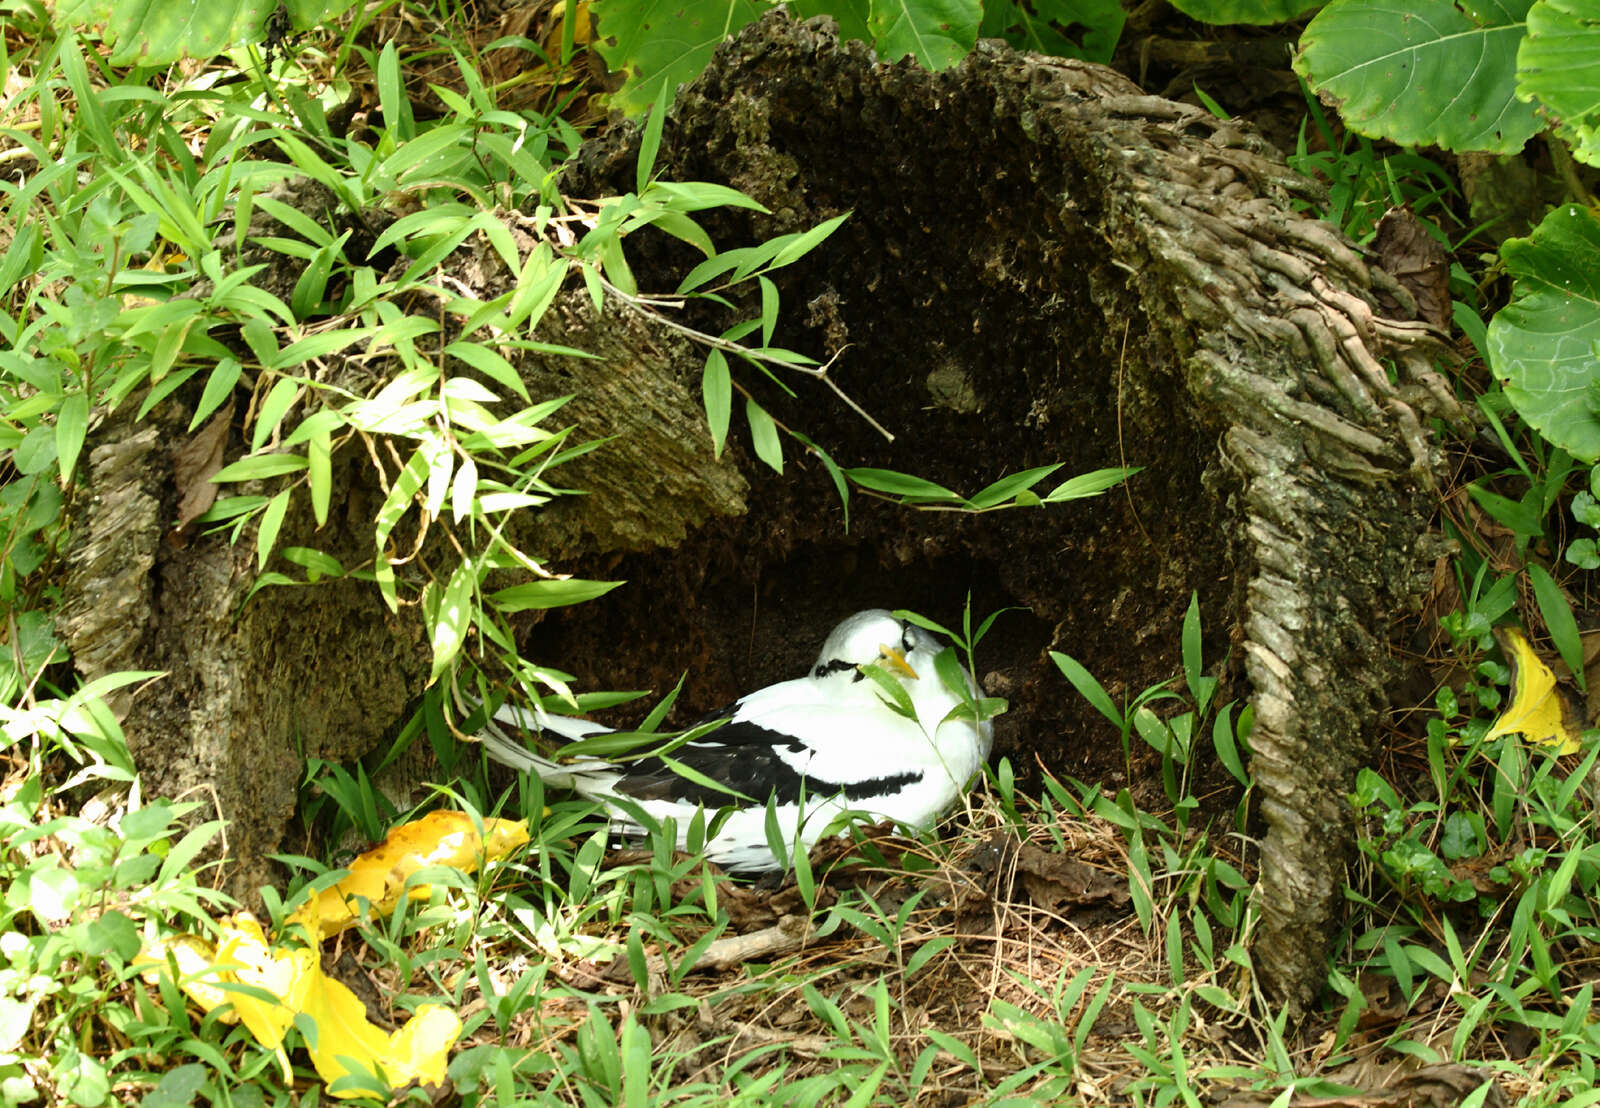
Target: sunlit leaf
x=442 y=838
x=1539 y=710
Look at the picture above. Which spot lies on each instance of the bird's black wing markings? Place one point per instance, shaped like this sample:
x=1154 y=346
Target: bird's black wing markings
x=748 y=759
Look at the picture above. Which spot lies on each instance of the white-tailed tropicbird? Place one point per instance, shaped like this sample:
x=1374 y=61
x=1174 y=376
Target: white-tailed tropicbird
x=819 y=745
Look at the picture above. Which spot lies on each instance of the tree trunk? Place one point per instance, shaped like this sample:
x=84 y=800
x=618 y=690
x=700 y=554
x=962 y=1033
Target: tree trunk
x=1041 y=265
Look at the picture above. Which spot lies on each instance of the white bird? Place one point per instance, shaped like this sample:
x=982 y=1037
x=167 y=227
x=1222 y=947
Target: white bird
x=819 y=745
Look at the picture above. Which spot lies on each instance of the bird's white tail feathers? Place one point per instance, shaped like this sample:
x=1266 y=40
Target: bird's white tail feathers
x=510 y=751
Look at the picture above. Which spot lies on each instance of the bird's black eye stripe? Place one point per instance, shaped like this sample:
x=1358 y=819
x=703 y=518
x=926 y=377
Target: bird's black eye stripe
x=835 y=666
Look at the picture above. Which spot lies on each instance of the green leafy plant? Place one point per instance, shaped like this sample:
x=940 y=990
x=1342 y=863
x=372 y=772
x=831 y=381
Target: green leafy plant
x=1174 y=738
x=80 y=897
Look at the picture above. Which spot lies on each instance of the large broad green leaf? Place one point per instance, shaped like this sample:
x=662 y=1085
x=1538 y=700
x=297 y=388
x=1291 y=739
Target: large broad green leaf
x=1244 y=11
x=1559 y=64
x=937 y=33
x=159 y=33
x=1086 y=29
x=1422 y=73
x=662 y=42
x=1542 y=344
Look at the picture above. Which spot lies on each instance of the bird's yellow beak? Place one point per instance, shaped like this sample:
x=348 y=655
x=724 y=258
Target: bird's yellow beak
x=897 y=662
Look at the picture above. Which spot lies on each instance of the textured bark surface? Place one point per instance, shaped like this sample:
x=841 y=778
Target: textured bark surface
x=1042 y=265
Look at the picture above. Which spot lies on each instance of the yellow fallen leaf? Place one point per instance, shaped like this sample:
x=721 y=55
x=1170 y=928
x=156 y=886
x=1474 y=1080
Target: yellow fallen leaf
x=379 y=876
x=349 y=1044
x=196 y=962
x=247 y=958
x=269 y=984
x=1539 y=710
x=281 y=982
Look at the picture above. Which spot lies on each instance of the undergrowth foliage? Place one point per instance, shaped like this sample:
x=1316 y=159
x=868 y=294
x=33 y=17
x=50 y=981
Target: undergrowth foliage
x=1075 y=945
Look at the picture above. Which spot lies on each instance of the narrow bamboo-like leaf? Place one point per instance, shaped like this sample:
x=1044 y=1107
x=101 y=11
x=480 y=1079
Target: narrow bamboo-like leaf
x=891 y=690
x=896 y=483
x=1008 y=487
x=218 y=386
x=319 y=473
x=1190 y=640
x=807 y=241
x=441 y=467
x=454 y=616
x=296 y=220
x=714 y=266
x=272 y=410
x=490 y=363
x=764 y=435
x=464 y=489
x=324 y=422
x=650 y=141
x=834 y=473
x=769 y=309
x=1227 y=748
x=716 y=387
x=1090 y=484
x=72 y=425
x=316 y=563
x=260 y=466
x=597 y=291
x=319 y=346
x=693 y=196
x=394 y=508
x=1557 y=613
x=547 y=593
x=392 y=97
x=306 y=299
x=271 y=523
x=617 y=270
x=1089 y=688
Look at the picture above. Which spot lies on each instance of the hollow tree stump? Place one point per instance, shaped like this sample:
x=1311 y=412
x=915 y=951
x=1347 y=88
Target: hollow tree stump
x=1118 y=277
x=1042 y=265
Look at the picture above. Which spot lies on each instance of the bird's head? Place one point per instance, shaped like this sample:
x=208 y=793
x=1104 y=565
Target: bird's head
x=876 y=637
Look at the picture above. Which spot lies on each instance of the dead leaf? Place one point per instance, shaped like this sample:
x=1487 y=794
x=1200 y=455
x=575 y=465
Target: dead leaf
x=269 y=984
x=1417 y=260
x=195 y=463
x=379 y=876
x=1540 y=710
x=1057 y=882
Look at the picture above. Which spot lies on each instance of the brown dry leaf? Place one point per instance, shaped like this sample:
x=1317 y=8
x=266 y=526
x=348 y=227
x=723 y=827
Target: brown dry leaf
x=1417 y=260
x=379 y=876
x=1540 y=710
x=1056 y=882
x=194 y=464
